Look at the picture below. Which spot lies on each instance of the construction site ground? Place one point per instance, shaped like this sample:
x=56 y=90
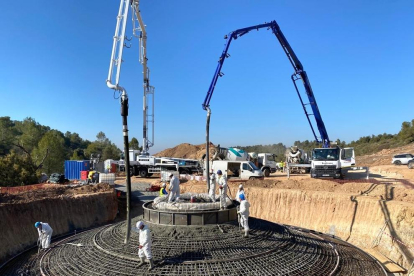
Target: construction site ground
x=370 y=213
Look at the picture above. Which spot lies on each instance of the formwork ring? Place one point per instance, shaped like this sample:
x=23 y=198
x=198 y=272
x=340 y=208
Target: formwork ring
x=189 y=217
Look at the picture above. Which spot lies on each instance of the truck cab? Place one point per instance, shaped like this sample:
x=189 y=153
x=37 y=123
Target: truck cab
x=331 y=162
x=267 y=163
x=237 y=169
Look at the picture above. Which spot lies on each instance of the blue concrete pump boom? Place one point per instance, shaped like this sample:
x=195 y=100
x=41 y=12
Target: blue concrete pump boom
x=298 y=74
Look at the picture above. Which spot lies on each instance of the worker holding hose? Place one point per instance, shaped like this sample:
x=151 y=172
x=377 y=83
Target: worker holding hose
x=212 y=191
x=45 y=234
x=145 y=244
x=222 y=181
x=244 y=214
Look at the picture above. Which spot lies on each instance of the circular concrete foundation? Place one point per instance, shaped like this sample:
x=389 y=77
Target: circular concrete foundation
x=271 y=249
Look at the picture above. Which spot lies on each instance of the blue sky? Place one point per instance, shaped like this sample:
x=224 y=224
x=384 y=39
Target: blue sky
x=358 y=56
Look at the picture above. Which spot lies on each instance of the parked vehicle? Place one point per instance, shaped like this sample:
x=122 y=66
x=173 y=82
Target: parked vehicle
x=238 y=169
x=402 y=159
x=297 y=158
x=332 y=162
x=264 y=161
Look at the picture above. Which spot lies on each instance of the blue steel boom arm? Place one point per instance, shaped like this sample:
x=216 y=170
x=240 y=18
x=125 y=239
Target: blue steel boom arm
x=298 y=74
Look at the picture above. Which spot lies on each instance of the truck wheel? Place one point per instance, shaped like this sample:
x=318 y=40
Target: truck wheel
x=411 y=165
x=266 y=172
x=143 y=173
x=398 y=162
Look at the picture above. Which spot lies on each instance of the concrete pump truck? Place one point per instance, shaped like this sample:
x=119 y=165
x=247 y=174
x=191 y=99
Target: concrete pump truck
x=319 y=167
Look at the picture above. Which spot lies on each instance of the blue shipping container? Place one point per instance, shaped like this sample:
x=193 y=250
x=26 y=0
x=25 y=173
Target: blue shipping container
x=73 y=168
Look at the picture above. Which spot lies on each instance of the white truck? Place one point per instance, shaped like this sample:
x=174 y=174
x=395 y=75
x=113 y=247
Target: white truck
x=146 y=166
x=237 y=169
x=332 y=162
x=263 y=161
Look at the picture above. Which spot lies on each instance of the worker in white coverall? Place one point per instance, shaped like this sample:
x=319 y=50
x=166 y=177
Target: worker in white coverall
x=145 y=244
x=244 y=214
x=239 y=192
x=212 y=191
x=45 y=234
x=222 y=181
x=174 y=188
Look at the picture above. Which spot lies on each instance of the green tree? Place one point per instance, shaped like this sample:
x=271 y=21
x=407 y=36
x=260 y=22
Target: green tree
x=78 y=155
x=111 y=152
x=8 y=133
x=134 y=144
x=101 y=138
x=406 y=134
x=31 y=133
x=104 y=147
x=54 y=142
x=16 y=170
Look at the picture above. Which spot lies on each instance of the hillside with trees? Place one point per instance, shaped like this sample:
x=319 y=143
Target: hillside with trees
x=28 y=149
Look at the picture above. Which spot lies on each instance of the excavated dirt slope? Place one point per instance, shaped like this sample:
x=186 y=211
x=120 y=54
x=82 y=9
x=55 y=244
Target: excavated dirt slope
x=63 y=207
x=186 y=150
x=355 y=212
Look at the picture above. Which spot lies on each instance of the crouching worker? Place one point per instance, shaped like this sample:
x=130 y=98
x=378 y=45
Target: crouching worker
x=163 y=191
x=45 y=234
x=244 y=214
x=144 y=245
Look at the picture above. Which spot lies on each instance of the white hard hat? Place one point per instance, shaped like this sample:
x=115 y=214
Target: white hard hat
x=164 y=185
x=139 y=224
x=240 y=186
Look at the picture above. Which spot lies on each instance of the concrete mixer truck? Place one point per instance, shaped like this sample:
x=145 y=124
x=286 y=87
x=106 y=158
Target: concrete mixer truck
x=297 y=160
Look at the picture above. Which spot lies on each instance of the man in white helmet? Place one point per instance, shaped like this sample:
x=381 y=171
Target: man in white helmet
x=45 y=234
x=244 y=214
x=174 y=188
x=212 y=191
x=222 y=181
x=239 y=192
x=145 y=244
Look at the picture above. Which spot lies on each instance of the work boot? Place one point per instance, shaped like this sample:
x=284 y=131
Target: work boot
x=246 y=233
x=151 y=265
x=141 y=261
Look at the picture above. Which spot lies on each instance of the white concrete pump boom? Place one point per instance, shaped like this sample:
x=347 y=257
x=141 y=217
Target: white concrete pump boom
x=117 y=47
x=148 y=117
x=113 y=83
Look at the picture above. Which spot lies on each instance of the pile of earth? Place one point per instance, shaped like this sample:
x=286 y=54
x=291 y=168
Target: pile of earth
x=53 y=191
x=186 y=150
